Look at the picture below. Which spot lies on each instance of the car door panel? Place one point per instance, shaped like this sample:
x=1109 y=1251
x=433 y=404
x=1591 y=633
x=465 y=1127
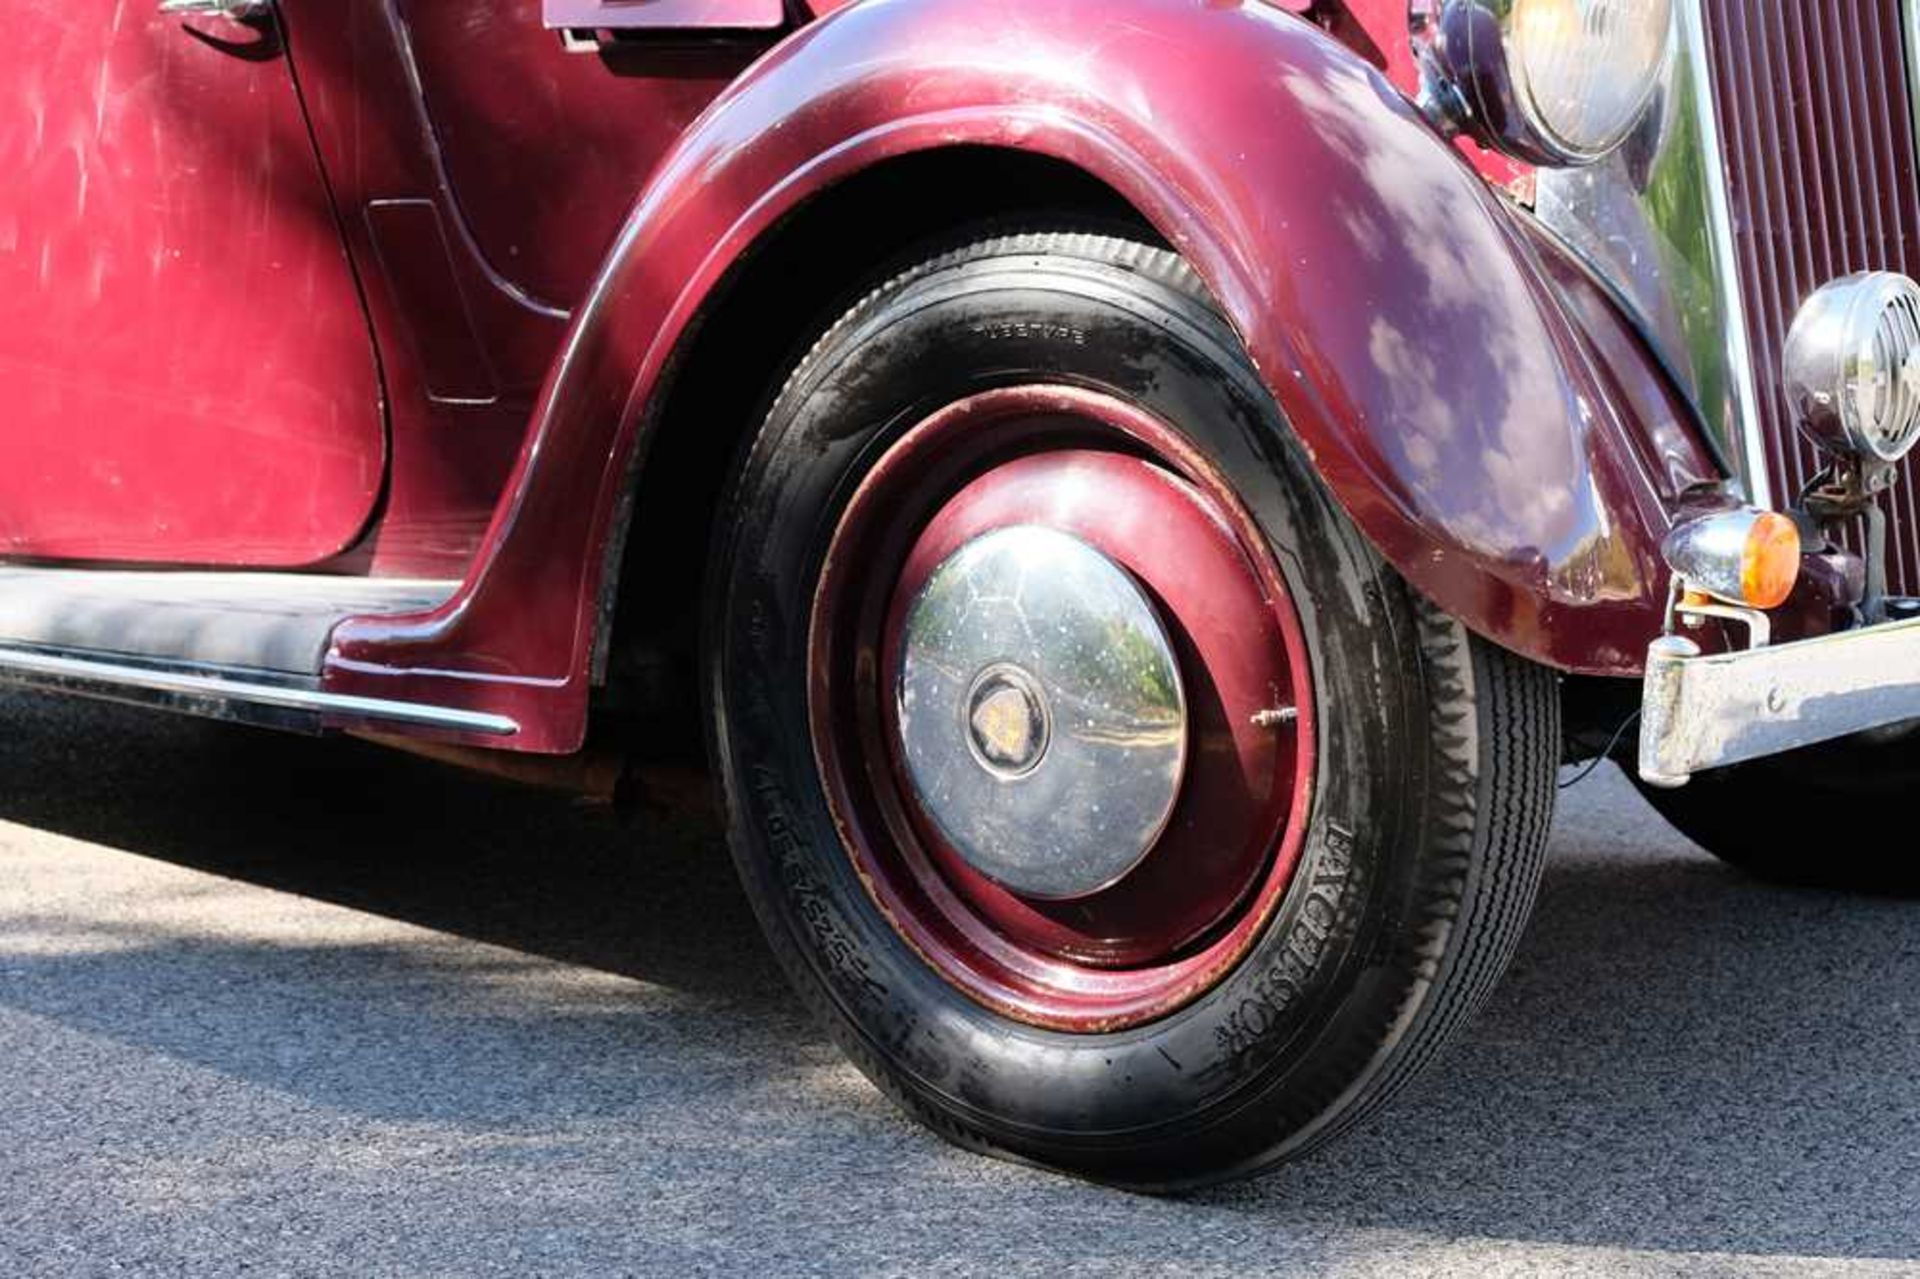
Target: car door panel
x=189 y=375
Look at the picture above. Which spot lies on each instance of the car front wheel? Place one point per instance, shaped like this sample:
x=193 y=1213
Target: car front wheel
x=1113 y=804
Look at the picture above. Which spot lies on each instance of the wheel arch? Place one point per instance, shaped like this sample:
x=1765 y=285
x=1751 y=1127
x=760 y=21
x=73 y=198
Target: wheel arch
x=752 y=330
x=1407 y=323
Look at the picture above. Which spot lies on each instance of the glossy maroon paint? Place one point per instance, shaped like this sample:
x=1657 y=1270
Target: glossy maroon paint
x=1381 y=32
x=482 y=173
x=1404 y=322
x=1130 y=486
x=500 y=91
x=189 y=375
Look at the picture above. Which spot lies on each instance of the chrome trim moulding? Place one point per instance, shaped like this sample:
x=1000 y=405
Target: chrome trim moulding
x=1910 y=32
x=1701 y=712
x=1753 y=451
x=110 y=678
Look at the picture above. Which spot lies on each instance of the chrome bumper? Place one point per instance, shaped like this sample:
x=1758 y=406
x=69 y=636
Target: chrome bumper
x=1702 y=712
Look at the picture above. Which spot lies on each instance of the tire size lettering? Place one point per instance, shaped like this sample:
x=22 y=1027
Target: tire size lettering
x=1038 y=330
x=846 y=963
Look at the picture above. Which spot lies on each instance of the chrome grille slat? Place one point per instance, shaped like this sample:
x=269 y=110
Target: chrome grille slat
x=1817 y=141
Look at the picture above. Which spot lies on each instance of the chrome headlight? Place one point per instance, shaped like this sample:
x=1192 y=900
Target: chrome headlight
x=1853 y=366
x=1556 y=82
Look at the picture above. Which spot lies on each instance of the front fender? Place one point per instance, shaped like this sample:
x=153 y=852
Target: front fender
x=1392 y=303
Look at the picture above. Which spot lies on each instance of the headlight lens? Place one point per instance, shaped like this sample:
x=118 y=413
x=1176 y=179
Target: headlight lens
x=1585 y=70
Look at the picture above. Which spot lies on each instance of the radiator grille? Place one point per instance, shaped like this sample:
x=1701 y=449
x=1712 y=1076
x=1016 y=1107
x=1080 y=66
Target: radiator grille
x=1818 y=136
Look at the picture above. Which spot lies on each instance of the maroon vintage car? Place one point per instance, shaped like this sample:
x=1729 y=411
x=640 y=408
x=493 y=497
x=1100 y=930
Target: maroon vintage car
x=1137 y=498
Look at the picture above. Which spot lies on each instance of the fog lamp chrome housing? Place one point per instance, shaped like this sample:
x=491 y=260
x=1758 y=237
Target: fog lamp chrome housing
x=1550 y=82
x=1853 y=367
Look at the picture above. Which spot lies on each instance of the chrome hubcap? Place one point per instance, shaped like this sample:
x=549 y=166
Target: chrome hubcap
x=1041 y=714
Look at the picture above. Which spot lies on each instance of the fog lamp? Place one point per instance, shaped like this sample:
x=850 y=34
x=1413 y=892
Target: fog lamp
x=1745 y=557
x=1853 y=367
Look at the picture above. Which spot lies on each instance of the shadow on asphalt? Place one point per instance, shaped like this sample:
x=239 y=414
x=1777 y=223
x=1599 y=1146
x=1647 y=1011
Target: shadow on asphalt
x=362 y=826
x=1681 y=1060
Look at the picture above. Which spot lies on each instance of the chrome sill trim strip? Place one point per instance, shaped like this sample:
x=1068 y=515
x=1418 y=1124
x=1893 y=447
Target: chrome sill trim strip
x=1746 y=400
x=1701 y=712
x=35 y=664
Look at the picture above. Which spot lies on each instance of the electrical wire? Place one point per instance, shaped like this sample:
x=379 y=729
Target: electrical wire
x=1605 y=755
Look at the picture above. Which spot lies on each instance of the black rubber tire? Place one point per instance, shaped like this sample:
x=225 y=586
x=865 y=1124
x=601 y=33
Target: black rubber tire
x=1809 y=818
x=1435 y=777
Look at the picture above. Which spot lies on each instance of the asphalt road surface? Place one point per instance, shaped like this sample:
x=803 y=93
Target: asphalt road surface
x=279 y=1005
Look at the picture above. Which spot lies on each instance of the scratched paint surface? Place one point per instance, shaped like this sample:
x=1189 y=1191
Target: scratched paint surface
x=188 y=375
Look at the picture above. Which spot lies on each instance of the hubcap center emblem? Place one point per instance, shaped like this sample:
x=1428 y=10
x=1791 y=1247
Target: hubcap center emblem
x=1007 y=721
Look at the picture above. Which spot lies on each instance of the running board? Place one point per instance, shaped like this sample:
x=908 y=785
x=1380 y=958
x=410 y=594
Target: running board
x=232 y=695
x=276 y=624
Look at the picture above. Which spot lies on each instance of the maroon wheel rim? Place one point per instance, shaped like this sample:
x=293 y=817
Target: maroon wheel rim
x=1130 y=487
